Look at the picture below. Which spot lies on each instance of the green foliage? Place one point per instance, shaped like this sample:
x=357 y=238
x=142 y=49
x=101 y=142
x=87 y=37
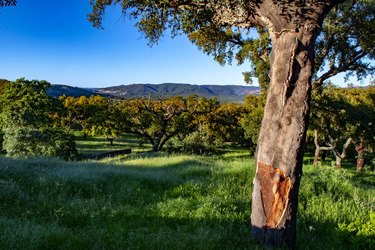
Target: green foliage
x=251 y=123
x=330 y=200
x=224 y=123
x=7 y=3
x=342 y=113
x=31 y=142
x=346 y=43
x=26 y=112
x=359 y=234
x=91 y=114
x=199 y=142
x=158 y=120
x=25 y=103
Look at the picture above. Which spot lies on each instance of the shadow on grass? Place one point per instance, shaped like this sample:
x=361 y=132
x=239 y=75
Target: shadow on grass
x=313 y=234
x=364 y=180
x=138 y=206
x=95 y=205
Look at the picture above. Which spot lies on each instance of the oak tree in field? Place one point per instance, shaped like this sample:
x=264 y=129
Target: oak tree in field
x=157 y=120
x=341 y=117
x=225 y=123
x=293 y=27
x=330 y=119
x=26 y=122
x=88 y=113
x=254 y=106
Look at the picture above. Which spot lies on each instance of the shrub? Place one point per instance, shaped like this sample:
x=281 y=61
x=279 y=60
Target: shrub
x=199 y=143
x=29 y=142
x=358 y=235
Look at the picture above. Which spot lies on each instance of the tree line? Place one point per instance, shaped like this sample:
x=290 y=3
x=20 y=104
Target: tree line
x=34 y=123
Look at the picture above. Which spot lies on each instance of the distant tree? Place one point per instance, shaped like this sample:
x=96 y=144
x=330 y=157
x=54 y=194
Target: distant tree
x=201 y=136
x=329 y=119
x=157 y=120
x=361 y=122
x=26 y=103
x=251 y=123
x=3 y=86
x=341 y=117
x=27 y=124
x=105 y=120
x=225 y=123
x=88 y=113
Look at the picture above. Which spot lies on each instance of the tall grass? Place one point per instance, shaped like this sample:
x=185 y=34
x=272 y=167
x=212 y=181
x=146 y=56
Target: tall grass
x=94 y=145
x=159 y=201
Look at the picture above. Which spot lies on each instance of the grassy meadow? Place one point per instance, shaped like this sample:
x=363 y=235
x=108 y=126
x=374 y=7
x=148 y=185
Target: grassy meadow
x=170 y=201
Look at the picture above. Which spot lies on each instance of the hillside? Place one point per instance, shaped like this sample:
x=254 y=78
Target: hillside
x=58 y=90
x=226 y=93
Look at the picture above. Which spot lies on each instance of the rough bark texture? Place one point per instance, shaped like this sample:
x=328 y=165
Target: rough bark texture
x=317 y=148
x=360 y=152
x=293 y=27
x=281 y=139
x=341 y=156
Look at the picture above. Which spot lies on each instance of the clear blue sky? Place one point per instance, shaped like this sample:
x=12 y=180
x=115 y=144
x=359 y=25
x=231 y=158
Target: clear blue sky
x=53 y=41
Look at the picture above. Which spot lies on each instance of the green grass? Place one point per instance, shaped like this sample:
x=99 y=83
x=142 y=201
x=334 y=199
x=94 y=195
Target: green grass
x=160 y=201
x=93 y=145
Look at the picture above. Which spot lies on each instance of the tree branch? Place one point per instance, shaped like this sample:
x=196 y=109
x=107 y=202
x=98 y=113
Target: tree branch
x=8 y=3
x=336 y=70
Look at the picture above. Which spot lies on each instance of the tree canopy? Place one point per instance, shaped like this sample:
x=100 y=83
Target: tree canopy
x=26 y=122
x=223 y=29
x=7 y=3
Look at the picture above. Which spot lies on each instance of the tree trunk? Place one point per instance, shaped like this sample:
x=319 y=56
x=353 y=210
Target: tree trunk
x=110 y=139
x=324 y=155
x=341 y=156
x=360 y=160
x=317 y=148
x=338 y=161
x=282 y=137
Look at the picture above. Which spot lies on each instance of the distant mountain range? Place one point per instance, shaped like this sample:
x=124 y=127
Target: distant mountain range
x=225 y=93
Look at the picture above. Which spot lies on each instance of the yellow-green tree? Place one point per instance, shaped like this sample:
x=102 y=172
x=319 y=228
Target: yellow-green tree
x=88 y=113
x=341 y=117
x=157 y=120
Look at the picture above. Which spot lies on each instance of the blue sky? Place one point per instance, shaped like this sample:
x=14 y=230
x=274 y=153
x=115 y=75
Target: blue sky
x=53 y=41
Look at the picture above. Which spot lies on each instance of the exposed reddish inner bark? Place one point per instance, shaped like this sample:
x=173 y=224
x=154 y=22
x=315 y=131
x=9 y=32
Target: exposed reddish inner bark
x=360 y=161
x=275 y=187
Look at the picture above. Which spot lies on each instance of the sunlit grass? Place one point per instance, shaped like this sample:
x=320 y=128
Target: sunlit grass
x=93 y=145
x=162 y=201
